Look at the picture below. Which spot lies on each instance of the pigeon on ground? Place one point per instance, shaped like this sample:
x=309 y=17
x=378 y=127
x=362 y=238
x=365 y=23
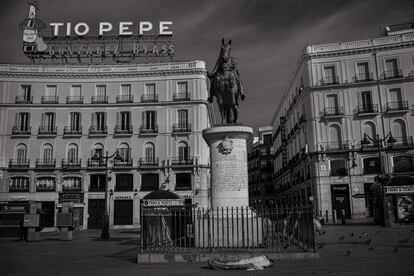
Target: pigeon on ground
x=363 y=235
x=396 y=249
x=348 y=253
x=352 y=234
x=342 y=237
x=371 y=248
x=368 y=241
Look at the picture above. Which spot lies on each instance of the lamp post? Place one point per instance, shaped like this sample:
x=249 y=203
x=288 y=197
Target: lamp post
x=379 y=144
x=99 y=158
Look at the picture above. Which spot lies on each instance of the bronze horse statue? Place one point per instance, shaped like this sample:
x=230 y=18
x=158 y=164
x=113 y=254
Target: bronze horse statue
x=226 y=85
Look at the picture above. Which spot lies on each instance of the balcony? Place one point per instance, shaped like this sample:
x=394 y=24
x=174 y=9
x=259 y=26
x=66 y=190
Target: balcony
x=99 y=99
x=394 y=107
x=181 y=97
x=337 y=111
x=363 y=77
x=405 y=141
x=74 y=100
x=50 y=99
x=45 y=163
x=96 y=163
x=23 y=100
x=19 y=188
x=392 y=74
x=335 y=146
x=71 y=188
x=98 y=130
x=148 y=162
x=366 y=109
x=182 y=161
x=181 y=128
x=332 y=80
x=148 y=130
x=71 y=163
x=45 y=188
x=19 y=164
x=47 y=130
x=124 y=98
x=72 y=131
x=21 y=131
x=123 y=130
x=150 y=98
x=127 y=163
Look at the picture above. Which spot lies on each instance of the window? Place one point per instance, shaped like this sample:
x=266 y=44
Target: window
x=182 y=88
x=48 y=121
x=150 y=89
x=22 y=121
x=149 y=152
x=149 y=120
x=97 y=150
x=21 y=152
x=371 y=165
x=124 y=152
x=399 y=131
x=338 y=167
x=183 y=151
x=76 y=91
x=149 y=182
x=366 y=100
x=403 y=164
x=99 y=121
x=329 y=75
x=51 y=91
x=391 y=65
x=267 y=139
x=126 y=90
x=73 y=153
x=183 y=181
x=396 y=96
x=45 y=184
x=124 y=182
x=362 y=73
x=101 y=91
x=72 y=184
x=123 y=120
x=369 y=129
x=332 y=101
x=97 y=183
x=26 y=92
x=182 y=118
x=47 y=154
x=75 y=121
x=19 y=184
x=335 y=137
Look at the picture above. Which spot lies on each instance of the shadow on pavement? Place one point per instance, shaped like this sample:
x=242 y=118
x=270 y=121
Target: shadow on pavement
x=129 y=255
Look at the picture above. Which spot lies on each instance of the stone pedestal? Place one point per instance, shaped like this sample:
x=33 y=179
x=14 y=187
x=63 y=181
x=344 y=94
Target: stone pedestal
x=228 y=157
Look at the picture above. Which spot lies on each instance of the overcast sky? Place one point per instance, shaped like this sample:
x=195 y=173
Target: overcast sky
x=267 y=36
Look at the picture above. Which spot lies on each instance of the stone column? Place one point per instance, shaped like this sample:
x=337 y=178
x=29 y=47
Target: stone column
x=228 y=157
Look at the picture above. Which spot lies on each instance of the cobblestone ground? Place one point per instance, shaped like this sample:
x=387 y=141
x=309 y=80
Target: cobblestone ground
x=343 y=250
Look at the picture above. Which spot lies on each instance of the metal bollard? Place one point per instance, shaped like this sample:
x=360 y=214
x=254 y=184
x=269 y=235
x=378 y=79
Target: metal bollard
x=327 y=216
x=334 y=216
x=343 y=216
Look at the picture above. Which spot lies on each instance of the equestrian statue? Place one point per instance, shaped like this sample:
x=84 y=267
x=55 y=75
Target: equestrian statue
x=225 y=85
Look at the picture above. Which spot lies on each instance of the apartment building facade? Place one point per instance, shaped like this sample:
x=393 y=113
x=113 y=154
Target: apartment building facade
x=346 y=104
x=58 y=122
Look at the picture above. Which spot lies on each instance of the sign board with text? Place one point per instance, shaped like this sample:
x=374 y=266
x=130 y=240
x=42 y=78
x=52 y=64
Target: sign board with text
x=397 y=190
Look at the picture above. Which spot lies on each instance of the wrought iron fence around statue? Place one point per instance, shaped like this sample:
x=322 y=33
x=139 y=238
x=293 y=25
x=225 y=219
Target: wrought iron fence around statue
x=189 y=229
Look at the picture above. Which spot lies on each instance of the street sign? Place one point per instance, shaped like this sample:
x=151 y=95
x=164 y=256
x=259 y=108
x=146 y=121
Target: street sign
x=396 y=190
x=162 y=202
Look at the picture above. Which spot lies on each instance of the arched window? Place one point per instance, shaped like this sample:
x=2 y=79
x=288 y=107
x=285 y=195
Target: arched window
x=45 y=184
x=183 y=151
x=149 y=152
x=73 y=153
x=399 y=131
x=403 y=163
x=47 y=153
x=98 y=149
x=369 y=129
x=21 y=153
x=72 y=184
x=371 y=165
x=338 y=167
x=335 y=137
x=124 y=152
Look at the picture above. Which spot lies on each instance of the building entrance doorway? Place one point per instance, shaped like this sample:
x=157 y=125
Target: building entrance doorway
x=123 y=212
x=96 y=210
x=47 y=215
x=340 y=200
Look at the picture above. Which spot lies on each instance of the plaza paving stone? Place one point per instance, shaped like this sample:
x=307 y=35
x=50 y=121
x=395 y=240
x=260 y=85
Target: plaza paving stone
x=86 y=254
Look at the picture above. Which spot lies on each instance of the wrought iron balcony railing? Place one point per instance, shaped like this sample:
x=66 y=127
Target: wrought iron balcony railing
x=181 y=97
x=123 y=163
x=47 y=130
x=366 y=109
x=149 y=98
x=99 y=99
x=404 y=141
x=98 y=130
x=392 y=74
x=124 y=98
x=148 y=162
x=96 y=163
x=23 y=100
x=333 y=111
x=181 y=128
x=363 y=77
x=71 y=188
x=396 y=106
x=182 y=161
x=74 y=99
x=71 y=163
x=149 y=130
x=18 y=130
x=45 y=163
x=335 y=146
x=45 y=188
x=19 y=188
x=50 y=99
x=329 y=80
x=71 y=130
x=19 y=164
x=123 y=130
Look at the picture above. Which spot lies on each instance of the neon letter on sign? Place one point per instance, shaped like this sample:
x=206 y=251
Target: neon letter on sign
x=56 y=28
x=144 y=26
x=104 y=27
x=164 y=28
x=124 y=28
x=78 y=26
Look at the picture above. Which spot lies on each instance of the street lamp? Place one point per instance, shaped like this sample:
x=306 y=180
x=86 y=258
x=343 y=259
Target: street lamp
x=99 y=158
x=379 y=144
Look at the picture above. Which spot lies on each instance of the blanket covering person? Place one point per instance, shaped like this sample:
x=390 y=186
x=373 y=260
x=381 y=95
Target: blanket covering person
x=254 y=263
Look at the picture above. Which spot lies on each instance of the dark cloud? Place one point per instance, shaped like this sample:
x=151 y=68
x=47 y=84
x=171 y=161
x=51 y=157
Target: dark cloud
x=268 y=35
